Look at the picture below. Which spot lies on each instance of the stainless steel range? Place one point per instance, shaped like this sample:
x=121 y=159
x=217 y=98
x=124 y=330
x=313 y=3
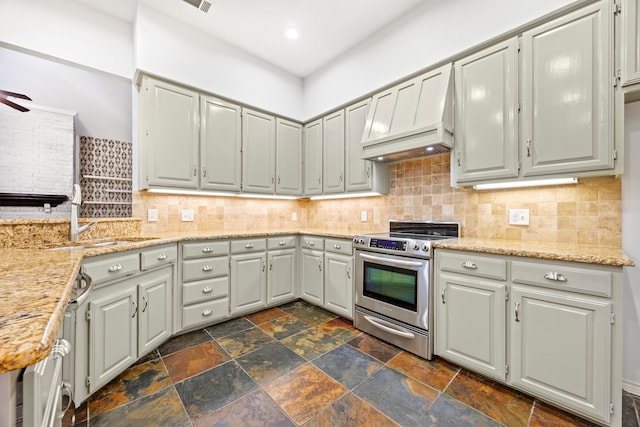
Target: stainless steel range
x=394 y=297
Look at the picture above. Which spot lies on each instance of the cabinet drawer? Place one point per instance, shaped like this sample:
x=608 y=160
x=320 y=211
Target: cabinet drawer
x=248 y=245
x=204 y=249
x=198 y=269
x=284 y=242
x=473 y=265
x=150 y=258
x=107 y=268
x=204 y=290
x=563 y=277
x=204 y=313
x=338 y=246
x=309 y=242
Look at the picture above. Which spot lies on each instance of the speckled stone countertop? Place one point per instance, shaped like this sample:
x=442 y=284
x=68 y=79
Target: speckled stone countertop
x=556 y=251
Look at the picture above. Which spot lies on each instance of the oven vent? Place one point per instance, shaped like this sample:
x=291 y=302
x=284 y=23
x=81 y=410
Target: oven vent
x=203 y=5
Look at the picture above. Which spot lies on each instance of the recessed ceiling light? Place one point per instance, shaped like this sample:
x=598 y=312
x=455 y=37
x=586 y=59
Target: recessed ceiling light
x=291 y=33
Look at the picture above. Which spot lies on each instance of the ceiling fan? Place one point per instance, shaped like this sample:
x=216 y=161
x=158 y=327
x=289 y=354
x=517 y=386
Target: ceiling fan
x=3 y=99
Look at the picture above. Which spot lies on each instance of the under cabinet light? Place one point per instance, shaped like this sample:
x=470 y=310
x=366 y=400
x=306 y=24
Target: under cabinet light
x=532 y=183
x=345 y=195
x=191 y=192
x=267 y=196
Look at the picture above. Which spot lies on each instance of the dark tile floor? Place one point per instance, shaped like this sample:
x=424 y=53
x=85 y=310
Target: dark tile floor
x=300 y=365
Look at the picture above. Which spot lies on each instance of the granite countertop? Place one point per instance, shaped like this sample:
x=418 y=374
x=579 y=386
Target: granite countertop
x=556 y=251
x=35 y=284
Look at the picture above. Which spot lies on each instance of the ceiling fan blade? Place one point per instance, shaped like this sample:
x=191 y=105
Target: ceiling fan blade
x=13 y=105
x=15 y=95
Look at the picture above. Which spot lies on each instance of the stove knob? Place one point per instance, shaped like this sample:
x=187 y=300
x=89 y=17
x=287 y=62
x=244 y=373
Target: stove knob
x=361 y=241
x=355 y=240
x=416 y=247
x=425 y=248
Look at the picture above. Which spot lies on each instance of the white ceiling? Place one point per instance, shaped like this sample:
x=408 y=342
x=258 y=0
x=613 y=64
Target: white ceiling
x=327 y=28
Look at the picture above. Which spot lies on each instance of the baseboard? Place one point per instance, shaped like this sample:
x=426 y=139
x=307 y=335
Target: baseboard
x=631 y=387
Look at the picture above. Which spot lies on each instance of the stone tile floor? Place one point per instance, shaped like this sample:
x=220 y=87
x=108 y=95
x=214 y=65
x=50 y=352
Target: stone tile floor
x=300 y=365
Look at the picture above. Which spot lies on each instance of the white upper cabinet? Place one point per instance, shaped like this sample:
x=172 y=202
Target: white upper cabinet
x=486 y=114
x=358 y=170
x=288 y=157
x=258 y=152
x=630 y=47
x=333 y=153
x=567 y=108
x=220 y=145
x=313 y=158
x=168 y=135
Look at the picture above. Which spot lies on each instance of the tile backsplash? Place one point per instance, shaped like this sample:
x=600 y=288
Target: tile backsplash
x=587 y=213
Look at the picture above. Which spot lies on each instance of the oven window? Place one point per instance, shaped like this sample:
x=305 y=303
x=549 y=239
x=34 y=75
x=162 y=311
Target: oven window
x=393 y=285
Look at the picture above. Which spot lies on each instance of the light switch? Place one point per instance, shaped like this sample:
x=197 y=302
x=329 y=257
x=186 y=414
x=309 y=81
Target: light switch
x=363 y=216
x=294 y=216
x=187 y=215
x=152 y=215
x=518 y=216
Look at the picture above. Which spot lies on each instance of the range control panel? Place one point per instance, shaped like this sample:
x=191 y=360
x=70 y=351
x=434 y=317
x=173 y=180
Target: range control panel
x=404 y=247
x=393 y=245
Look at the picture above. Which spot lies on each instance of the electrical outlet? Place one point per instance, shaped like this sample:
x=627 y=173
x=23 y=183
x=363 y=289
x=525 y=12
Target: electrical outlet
x=152 y=215
x=518 y=216
x=363 y=216
x=187 y=215
x=294 y=216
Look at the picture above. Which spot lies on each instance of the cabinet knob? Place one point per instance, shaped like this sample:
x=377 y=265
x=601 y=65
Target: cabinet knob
x=207 y=250
x=207 y=268
x=470 y=265
x=337 y=246
x=208 y=312
x=115 y=268
x=162 y=257
x=282 y=242
x=558 y=277
x=310 y=243
x=249 y=245
x=207 y=290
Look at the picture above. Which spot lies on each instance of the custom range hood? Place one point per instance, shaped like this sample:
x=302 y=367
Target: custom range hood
x=412 y=119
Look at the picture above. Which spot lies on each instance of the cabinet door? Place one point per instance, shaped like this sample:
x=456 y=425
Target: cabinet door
x=486 y=114
x=169 y=135
x=248 y=283
x=258 y=152
x=333 y=153
x=470 y=323
x=312 y=276
x=220 y=145
x=282 y=275
x=113 y=333
x=568 y=93
x=313 y=158
x=358 y=171
x=561 y=348
x=338 y=284
x=630 y=58
x=288 y=157
x=154 y=304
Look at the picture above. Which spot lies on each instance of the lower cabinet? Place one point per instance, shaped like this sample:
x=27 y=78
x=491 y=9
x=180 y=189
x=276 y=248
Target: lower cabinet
x=281 y=285
x=545 y=327
x=312 y=269
x=338 y=284
x=248 y=276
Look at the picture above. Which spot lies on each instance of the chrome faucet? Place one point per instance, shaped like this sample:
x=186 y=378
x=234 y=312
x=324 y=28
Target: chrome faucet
x=76 y=200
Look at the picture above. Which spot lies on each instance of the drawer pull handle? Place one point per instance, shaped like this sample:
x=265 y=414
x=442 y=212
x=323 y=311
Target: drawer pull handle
x=558 y=277
x=162 y=257
x=207 y=250
x=207 y=290
x=282 y=242
x=249 y=245
x=337 y=246
x=310 y=243
x=517 y=312
x=470 y=265
x=115 y=268
x=207 y=313
x=207 y=268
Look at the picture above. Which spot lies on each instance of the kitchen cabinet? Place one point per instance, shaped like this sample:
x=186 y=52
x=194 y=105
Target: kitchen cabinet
x=486 y=114
x=333 y=153
x=168 y=135
x=312 y=270
x=313 y=158
x=630 y=42
x=470 y=327
x=288 y=157
x=361 y=175
x=282 y=261
x=248 y=276
x=546 y=327
x=220 y=145
x=338 y=277
x=203 y=296
x=258 y=152
x=567 y=108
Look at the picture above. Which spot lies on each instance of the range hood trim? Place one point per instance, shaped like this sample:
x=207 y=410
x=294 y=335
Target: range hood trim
x=410 y=145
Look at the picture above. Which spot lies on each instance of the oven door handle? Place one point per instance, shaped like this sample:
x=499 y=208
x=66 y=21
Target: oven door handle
x=376 y=322
x=399 y=263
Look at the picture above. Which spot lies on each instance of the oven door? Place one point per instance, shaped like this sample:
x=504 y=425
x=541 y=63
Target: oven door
x=397 y=287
